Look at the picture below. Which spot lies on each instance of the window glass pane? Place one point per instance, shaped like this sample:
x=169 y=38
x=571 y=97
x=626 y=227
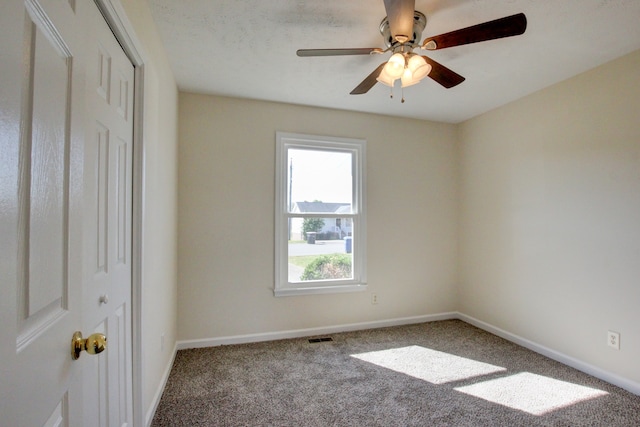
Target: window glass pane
x=320 y=249
x=319 y=181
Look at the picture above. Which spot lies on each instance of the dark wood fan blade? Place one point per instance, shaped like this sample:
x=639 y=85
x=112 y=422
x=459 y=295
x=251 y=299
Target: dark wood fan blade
x=400 y=16
x=336 y=52
x=442 y=74
x=504 y=27
x=368 y=82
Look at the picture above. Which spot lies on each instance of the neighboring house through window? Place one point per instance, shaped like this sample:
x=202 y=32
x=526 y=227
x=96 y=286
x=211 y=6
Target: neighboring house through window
x=332 y=228
x=320 y=215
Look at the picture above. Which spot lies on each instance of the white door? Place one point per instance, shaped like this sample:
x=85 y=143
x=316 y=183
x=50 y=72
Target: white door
x=65 y=215
x=107 y=225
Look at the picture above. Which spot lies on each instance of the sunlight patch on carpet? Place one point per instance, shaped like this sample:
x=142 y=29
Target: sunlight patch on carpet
x=429 y=365
x=534 y=394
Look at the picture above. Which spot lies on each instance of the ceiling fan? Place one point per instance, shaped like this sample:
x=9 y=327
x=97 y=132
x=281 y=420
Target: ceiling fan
x=402 y=29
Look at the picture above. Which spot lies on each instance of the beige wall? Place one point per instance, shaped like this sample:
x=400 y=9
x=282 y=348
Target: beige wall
x=550 y=216
x=226 y=218
x=159 y=275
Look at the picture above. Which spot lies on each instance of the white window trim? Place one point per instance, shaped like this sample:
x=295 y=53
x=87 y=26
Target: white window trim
x=283 y=287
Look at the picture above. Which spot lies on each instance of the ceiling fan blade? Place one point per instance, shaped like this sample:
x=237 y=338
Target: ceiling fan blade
x=368 y=82
x=336 y=52
x=400 y=16
x=504 y=27
x=443 y=75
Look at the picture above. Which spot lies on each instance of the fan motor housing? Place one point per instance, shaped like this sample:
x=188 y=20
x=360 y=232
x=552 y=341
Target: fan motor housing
x=419 y=23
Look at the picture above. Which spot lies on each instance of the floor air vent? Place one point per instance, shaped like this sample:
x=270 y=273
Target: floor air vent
x=325 y=339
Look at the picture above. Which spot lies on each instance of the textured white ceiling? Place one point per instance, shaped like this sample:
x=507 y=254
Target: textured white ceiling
x=247 y=49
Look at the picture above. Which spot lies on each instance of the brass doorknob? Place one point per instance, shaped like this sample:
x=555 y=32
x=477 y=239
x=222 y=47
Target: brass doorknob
x=96 y=343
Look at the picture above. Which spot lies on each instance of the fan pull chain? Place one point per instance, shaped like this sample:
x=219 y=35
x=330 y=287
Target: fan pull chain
x=402 y=100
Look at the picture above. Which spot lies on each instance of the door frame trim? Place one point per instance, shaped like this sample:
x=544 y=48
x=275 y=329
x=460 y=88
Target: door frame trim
x=116 y=17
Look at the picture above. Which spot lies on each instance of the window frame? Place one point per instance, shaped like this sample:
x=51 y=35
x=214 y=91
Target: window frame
x=356 y=147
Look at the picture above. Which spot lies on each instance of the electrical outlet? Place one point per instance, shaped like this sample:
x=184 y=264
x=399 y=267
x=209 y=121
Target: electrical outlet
x=613 y=340
x=374 y=299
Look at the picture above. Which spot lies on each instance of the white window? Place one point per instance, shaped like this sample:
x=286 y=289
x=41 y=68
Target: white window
x=320 y=215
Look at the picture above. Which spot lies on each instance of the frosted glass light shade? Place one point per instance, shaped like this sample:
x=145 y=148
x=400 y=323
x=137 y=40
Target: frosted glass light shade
x=395 y=66
x=408 y=79
x=385 y=78
x=419 y=67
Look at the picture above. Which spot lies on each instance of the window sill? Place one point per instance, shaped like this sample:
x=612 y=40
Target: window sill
x=307 y=290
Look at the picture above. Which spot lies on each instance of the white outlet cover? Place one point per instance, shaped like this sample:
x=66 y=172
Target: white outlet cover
x=613 y=340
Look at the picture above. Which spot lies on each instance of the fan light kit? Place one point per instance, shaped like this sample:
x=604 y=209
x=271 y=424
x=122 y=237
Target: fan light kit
x=402 y=30
x=409 y=68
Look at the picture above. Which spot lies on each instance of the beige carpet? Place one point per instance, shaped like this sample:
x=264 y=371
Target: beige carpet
x=446 y=373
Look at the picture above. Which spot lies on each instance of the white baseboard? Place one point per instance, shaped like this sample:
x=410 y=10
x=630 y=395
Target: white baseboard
x=299 y=333
x=580 y=365
x=156 y=398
